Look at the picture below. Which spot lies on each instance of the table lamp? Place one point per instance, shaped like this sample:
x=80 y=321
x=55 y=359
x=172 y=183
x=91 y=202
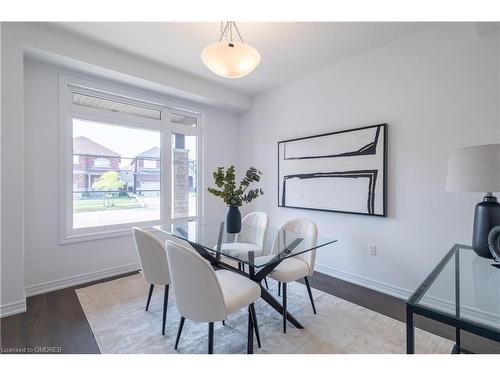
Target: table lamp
x=477 y=169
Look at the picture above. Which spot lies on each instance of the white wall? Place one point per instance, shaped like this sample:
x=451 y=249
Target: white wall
x=437 y=89
x=12 y=159
x=30 y=255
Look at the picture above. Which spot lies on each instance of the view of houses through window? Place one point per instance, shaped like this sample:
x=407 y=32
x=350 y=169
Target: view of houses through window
x=184 y=174
x=116 y=174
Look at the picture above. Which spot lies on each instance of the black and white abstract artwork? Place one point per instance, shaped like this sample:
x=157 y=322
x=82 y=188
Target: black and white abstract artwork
x=343 y=171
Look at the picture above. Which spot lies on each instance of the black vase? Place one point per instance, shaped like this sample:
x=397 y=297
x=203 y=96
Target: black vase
x=233 y=220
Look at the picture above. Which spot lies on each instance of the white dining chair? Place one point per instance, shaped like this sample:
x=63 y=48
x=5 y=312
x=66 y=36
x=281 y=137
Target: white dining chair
x=205 y=295
x=252 y=237
x=299 y=266
x=154 y=265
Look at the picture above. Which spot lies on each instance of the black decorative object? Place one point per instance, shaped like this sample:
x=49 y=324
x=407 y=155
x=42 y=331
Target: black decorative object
x=344 y=171
x=486 y=217
x=233 y=220
x=235 y=195
x=494 y=243
x=476 y=169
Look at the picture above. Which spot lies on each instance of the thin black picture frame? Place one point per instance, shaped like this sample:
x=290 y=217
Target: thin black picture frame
x=384 y=162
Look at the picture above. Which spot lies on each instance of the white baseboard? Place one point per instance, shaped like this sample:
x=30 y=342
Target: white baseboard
x=12 y=308
x=364 y=281
x=471 y=312
x=50 y=286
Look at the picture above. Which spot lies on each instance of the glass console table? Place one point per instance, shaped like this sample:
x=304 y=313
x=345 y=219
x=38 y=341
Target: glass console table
x=462 y=291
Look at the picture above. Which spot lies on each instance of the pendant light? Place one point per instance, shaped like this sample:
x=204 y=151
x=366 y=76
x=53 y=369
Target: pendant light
x=229 y=58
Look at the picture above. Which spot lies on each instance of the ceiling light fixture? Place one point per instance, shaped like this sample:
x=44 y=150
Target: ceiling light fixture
x=228 y=58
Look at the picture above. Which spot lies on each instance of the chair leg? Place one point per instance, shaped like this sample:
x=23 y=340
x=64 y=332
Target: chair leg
x=165 y=306
x=310 y=294
x=265 y=282
x=211 y=338
x=255 y=324
x=284 y=307
x=279 y=288
x=250 y=332
x=151 y=287
x=181 y=324
x=223 y=322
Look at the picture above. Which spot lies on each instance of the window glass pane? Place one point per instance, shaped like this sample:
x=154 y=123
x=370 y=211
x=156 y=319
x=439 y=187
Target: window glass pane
x=116 y=106
x=117 y=177
x=102 y=162
x=183 y=120
x=185 y=175
x=149 y=164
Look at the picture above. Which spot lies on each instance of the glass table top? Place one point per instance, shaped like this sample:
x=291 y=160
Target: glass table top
x=277 y=244
x=463 y=286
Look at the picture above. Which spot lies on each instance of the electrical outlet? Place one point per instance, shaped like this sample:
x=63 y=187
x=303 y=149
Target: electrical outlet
x=372 y=249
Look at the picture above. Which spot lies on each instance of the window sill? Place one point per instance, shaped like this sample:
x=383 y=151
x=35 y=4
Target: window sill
x=99 y=234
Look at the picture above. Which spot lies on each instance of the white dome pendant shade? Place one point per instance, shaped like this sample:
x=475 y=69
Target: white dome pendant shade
x=228 y=58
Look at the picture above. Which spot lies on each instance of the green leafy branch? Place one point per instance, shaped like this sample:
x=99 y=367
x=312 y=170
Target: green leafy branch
x=225 y=180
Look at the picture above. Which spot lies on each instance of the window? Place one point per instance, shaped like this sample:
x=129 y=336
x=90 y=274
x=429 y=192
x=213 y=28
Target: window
x=184 y=175
x=111 y=191
x=150 y=164
x=101 y=162
x=119 y=174
x=117 y=105
x=183 y=120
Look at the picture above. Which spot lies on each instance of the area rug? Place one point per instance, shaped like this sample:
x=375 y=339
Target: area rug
x=115 y=312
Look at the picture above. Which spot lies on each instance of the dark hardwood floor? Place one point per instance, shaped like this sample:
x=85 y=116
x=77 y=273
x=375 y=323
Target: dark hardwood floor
x=56 y=319
x=52 y=320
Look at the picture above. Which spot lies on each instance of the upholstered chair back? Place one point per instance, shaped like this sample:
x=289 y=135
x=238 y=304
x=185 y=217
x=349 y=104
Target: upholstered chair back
x=198 y=294
x=295 y=228
x=254 y=229
x=152 y=257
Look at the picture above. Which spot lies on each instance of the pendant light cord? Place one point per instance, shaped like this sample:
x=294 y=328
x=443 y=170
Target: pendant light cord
x=224 y=31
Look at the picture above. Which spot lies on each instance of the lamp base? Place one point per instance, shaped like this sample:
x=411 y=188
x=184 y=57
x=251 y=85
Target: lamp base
x=486 y=216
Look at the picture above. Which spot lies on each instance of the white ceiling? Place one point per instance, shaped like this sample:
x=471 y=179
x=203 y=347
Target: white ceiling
x=289 y=50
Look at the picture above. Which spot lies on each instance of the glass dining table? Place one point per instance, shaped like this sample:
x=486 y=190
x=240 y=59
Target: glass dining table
x=211 y=240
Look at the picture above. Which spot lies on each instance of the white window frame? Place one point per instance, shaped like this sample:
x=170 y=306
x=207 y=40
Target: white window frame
x=69 y=110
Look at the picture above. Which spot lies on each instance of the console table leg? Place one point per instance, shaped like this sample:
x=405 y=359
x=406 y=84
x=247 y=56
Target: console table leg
x=410 y=331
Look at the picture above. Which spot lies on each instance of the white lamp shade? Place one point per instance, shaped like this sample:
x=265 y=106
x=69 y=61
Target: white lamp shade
x=230 y=60
x=475 y=169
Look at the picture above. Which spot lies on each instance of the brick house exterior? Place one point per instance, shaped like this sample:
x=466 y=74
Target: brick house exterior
x=90 y=161
x=146 y=172
x=146 y=175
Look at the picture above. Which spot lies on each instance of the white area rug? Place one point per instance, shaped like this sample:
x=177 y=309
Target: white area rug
x=115 y=311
